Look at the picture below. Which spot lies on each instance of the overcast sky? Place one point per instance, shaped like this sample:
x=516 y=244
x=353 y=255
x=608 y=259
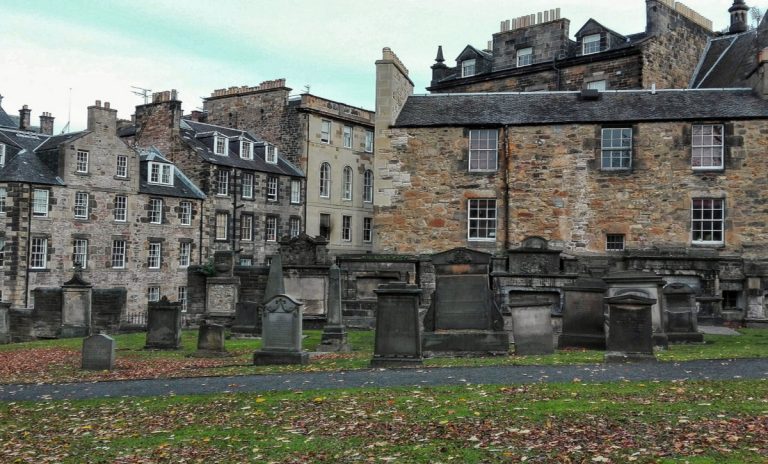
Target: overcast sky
x=100 y=48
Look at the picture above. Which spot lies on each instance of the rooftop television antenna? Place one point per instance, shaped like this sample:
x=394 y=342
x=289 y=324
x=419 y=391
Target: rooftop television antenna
x=144 y=93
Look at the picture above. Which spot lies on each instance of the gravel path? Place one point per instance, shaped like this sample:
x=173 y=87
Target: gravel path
x=374 y=378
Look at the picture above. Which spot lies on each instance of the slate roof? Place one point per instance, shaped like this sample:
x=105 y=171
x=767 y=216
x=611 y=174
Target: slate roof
x=533 y=108
x=27 y=168
x=6 y=120
x=727 y=61
x=199 y=136
x=182 y=187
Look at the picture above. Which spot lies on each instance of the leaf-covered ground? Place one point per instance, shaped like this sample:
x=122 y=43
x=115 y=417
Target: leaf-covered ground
x=697 y=422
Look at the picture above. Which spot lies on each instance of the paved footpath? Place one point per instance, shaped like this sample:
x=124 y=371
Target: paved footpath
x=375 y=378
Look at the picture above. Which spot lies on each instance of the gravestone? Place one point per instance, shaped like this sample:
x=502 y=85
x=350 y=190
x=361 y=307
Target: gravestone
x=398 y=331
x=649 y=284
x=5 y=322
x=98 y=353
x=584 y=314
x=210 y=341
x=630 y=334
x=534 y=257
x=281 y=333
x=247 y=320
x=463 y=316
x=164 y=325
x=532 y=326
x=681 y=321
x=76 y=307
x=334 y=338
x=222 y=291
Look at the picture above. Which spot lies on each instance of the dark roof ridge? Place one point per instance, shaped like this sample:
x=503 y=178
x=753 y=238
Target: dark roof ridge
x=575 y=92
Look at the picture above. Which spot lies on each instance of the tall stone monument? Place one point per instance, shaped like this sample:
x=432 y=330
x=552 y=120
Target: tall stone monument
x=334 y=338
x=463 y=316
x=398 y=331
x=222 y=291
x=76 y=307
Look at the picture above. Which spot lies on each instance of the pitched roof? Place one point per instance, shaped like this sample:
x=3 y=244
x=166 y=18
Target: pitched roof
x=6 y=120
x=182 y=187
x=533 y=108
x=26 y=167
x=727 y=61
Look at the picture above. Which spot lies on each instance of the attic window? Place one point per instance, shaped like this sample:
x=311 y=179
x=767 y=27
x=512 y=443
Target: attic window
x=271 y=156
x=525 y=57
x=590 y=44
x=246 y=149
x=159 y=173
x=468 y=68
x=220 y=144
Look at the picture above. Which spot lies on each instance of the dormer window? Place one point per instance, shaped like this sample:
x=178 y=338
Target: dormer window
x=525 y=57
x=468 y=68
x=220 y=145
x=271 y=154
x=246 y=149
x=2 y=154
x=160 y=173
x=590 y=44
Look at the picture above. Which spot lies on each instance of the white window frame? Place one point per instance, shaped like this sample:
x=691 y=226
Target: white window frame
x=482 y=219
x=81 y=165
x=186 y=213
x=120 y=211
x=270 y=229
x=704 y=147
x=159 y=173
x=346 y=136
x=270 y=154
x=368 y=186
x=40 y=203
x=220 y=145
x=121 y=166
x=272 y=188
x=38 y=253
x=590 y=44
x=155 y=211
x=185 y=254
x=222 y=226
x=705 y=220
x=153 y=294
x=368 y=141
x=222 y=184
x=483 y=150
x=2 y=154
x=325 y=180
x=367 y=230
x=118 y=255
x=524 y=57
x=346 y=228
x=154 y=255
x=246 y=149
x=615 y=242
x=600 y=86
x=468 y=68
x=246 y=228
x=325 y=131
x=294 y=226
x=246 y=185
x=295 y=191
x=80 y=250
x=616 y=149
x=182 y=298
x=346 y=184
x=81 y=205
x=3 y=199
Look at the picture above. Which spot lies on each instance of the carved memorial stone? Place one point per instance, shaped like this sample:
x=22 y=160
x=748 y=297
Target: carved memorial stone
x=398 y=331
x=630 y=336
x=76 y=307
x=649 y=284
x=281 y=333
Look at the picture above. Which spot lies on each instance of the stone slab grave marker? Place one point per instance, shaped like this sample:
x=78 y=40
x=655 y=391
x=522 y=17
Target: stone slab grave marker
x=630 y=333
x=247 y=322
x=164 y=325
x=398 y=330
x=210 y=341
x=532 y=326
x=463 y=316
x=584 y=314
x=98 y=353
x=681 y=318
x=281 y=333
x=334 y=338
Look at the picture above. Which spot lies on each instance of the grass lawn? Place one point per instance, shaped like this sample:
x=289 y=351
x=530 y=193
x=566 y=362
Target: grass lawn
x=659 y=422
x=59 y=360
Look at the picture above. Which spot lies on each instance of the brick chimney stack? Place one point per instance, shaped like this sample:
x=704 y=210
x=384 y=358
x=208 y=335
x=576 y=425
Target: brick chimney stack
x=158 y=123
x=102 y=118
x=46 y=124
x=24 y=118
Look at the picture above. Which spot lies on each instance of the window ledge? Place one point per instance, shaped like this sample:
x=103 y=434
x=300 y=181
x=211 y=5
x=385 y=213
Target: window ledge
x=121 y=178
x=708 y=170
x=716 y=245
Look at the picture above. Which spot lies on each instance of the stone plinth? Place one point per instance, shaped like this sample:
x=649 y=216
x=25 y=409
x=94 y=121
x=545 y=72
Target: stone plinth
x=630 y=334
x=164 y=325
x=648 y=284
x=98 y=353
x=584 y=314
x=281 y=333
x=398 y=331
x=76 y=307
x=532 y=327
x=210 y=341
x=681 y=319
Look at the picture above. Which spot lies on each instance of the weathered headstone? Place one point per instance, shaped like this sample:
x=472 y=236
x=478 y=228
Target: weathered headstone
x=534 y=257
x=681 y=319
x=334 y=338
x=76 y=307
x=98 y=353
x=164 y=325
x=281 y=333
x=222 y=291
x=630 y=334
x=247 y=320
x=532 y=326
x=210 y=341
x=649 y=284
x=398 y=331
x=463 y=316
x=584 y=314
x=5 y=322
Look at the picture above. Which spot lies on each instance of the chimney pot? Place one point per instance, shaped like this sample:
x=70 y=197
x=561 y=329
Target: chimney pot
x=106 y=105
x=98 y=103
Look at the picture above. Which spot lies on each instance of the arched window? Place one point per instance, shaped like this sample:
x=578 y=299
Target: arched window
x=325 y=180
x=347 y=187
x=368 y=186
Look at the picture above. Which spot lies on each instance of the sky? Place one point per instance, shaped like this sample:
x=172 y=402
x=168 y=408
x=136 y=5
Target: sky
x=60 y=55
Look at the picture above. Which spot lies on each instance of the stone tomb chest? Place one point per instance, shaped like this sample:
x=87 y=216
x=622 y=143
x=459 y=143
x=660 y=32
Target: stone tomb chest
x=463 y=316
x=630 y=332
x=681 y=317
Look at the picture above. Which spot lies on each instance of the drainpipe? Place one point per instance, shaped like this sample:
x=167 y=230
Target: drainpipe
x=306 y=175
x=505 y=159
x=29 y=244
x=200 y=244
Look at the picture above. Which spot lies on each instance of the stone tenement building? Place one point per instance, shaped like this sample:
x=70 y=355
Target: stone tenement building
x=535 y=52
x=670 y=181
x=332 y=142
x=85 y=199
